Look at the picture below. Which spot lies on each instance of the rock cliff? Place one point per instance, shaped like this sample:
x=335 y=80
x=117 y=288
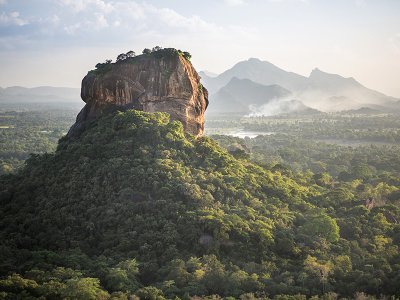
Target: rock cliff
x=162 y=81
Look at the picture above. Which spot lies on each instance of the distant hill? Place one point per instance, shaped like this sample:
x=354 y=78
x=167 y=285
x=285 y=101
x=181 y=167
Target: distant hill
x=240 y=95
x=18 y=94
x=207 y=74
x=332 y=92
x=262 y=72
x=321 y=90
x=363 y=111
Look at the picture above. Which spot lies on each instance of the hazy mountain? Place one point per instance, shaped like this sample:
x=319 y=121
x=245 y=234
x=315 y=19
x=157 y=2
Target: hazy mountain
x=206 y=73
x=244 y=95
x=363 y=111
x=262 y=72
x=321 y=90
x=18 y=94
x=332 y=92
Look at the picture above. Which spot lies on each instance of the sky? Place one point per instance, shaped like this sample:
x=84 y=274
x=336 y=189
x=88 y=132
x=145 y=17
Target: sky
x=56 y=42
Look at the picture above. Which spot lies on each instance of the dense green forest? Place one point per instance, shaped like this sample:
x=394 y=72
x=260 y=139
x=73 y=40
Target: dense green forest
x=330 y=127
x=134 y=208
x=32 y=131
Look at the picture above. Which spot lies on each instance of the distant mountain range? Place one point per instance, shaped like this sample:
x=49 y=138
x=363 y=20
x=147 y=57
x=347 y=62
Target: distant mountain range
x=42 y=94
x=251 y=86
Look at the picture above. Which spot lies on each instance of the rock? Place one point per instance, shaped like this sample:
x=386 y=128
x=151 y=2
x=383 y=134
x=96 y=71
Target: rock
x=163 y=81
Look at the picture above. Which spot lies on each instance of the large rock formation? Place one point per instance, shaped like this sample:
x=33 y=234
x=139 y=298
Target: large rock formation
x=162 y=81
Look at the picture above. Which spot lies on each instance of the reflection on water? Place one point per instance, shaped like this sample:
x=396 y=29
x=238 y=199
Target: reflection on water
x=251 y=134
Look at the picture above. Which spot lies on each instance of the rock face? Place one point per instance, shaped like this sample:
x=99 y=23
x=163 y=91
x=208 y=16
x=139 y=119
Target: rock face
x=152 y=83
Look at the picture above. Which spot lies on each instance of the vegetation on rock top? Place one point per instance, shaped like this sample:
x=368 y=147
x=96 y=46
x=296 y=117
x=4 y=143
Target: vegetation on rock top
x=131 y=57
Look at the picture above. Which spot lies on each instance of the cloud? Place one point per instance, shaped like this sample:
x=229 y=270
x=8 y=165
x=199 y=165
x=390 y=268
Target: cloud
x=234 y=2
x=82 y=5
x=97 y=23
x=172 y=19
x=12 y=18
x=3 y=2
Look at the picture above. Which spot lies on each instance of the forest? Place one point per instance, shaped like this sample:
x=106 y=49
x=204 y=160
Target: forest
x=134 y=208
x=31 y=131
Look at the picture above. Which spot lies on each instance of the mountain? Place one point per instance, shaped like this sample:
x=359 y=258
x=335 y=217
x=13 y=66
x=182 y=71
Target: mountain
x=332 y=92
x=261 y=72
x=321 y=90
x=244 y=96
x=363 y=111
x=42 y=94
x=207 y=74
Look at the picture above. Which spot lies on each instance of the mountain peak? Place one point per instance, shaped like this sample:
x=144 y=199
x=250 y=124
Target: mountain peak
x=319 y=73
x=254 y=59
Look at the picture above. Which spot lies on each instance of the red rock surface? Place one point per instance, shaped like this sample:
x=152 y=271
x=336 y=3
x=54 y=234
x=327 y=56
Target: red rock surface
x=148 y=83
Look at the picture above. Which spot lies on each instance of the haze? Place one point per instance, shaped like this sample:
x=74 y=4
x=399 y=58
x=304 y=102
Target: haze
x=55 y=42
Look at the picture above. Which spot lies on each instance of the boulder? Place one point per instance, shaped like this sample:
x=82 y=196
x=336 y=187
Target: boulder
x=162 y=81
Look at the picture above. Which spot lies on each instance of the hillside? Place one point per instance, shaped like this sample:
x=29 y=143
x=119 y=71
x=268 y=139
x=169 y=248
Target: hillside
x=134 y=187
x=133 y=206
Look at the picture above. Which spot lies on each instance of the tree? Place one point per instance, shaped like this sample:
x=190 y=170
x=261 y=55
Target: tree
x=121 y=57
x=318 y=269
x=322 y=226
x=156 y=48
x=84 y=288
x=146 y=51
x=187 y=55
x=130 y=54
x=150 y=293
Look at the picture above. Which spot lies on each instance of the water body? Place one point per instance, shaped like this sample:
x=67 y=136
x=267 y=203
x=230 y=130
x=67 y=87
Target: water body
x=250 y=134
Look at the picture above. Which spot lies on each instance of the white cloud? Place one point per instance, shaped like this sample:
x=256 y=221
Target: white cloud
x=96 y=22
x=101 y=21
x=12 y=18
x=129 y=10
x=140 y=18
x=234 y=2
x=171 y=18
x=3 y=2
x=82 y=5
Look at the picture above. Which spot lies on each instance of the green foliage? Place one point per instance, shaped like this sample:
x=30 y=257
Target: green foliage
x=134 y=208
x=23 y=133
x=321 y=226
x=131 y=57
